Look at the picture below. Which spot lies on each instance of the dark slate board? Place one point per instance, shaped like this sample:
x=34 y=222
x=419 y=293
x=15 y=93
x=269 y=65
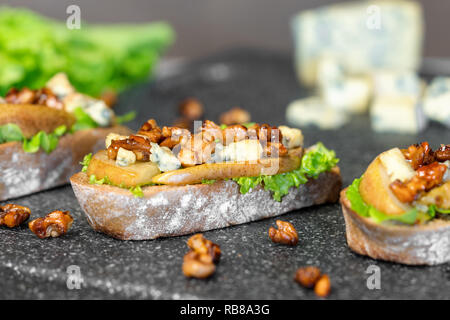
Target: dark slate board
x=251 y=267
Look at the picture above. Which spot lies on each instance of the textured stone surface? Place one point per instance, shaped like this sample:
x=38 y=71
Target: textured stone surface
x=251 y=265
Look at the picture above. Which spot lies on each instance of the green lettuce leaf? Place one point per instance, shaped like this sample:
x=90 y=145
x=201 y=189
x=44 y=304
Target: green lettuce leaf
x=96 y=57
x=83 y=120
x=86 y=161
x=208 y=181
x=127 y=117
x=137 y=191
x=10 y=132
x=317 y=160
x=433 y=210
x=359 y=206
x=45 y=141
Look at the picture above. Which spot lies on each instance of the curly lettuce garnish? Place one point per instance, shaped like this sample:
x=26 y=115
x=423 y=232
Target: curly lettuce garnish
x=365 y=210
x=317 y=160
x=86 y=161
x=41 y=140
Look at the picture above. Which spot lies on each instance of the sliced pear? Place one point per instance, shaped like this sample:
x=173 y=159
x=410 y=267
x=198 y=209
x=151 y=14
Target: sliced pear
x=374 y=189
x=139 y=173
x=226 y=170
x=33 y=118
x=439 y=196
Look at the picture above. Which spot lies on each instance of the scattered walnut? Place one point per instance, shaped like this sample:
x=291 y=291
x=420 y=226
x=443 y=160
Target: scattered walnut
x=323 y=286
x=54 y=224
x=235 y=116
x=183 y=123
x=307 y=276
x=194 y=266
x=286 y=233
x=191 y=109
x=109 y=97
x=13 y=215
x=203 y=246
x=200 y=261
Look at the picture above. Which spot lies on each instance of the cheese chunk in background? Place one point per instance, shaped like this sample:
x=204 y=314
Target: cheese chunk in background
x=398 y=84
x=437 y=100
x=313 y=111
x=397 y=114
x=352 y=94
x=362 y=36
x=341 y=91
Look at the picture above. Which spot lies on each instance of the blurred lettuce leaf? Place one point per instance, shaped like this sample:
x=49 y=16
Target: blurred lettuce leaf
x=96 y=57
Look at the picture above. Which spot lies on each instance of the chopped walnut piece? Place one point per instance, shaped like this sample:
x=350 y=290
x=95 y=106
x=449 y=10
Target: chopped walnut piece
x=197 y=149
x=200 y=261
x=173 y=136
x=139 y=145
x=13 y=215
x=235 y=115
x=194 y=266
x=443 y=153
x=54 y=224
x=323 y=286
x=203 y=246
x=191 y=109
x=307 y=276
x=419 y=155
x=44 y=97
x=426 y=178
x=151 y=130
x=286 y=233
x=234 y=133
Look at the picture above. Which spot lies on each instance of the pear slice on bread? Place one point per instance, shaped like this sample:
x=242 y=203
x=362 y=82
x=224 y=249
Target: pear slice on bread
x=374 y=186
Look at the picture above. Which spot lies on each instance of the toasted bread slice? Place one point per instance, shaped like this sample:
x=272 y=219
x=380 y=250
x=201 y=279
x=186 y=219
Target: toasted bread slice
x=426 y=244
x=33 y=118
x=165 y=211
x=25 y=173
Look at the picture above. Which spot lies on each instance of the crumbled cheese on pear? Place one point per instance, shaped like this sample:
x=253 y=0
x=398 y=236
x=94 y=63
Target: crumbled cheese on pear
x=245 y=150
x=164 y=158
x=292 y=137
x=125 y=157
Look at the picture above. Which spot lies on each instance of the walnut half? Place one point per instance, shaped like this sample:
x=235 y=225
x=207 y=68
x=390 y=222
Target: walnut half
x=13 y=215
x=200 y=261
x=55 y=224
x=286 y=233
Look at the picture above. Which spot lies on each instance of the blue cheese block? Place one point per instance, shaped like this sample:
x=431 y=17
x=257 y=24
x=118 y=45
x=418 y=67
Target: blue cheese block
x=398 y=84
x=362 y=36
x=351 y=94
x=313 y=111
x=437 y=101
x=397 y=114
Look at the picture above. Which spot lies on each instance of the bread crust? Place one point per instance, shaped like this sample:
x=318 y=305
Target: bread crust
x=166 y=211
x=24 y=173
x=427 y=244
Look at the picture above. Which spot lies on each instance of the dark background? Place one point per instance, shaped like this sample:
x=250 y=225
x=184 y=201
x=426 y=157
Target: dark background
x=208 y=26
